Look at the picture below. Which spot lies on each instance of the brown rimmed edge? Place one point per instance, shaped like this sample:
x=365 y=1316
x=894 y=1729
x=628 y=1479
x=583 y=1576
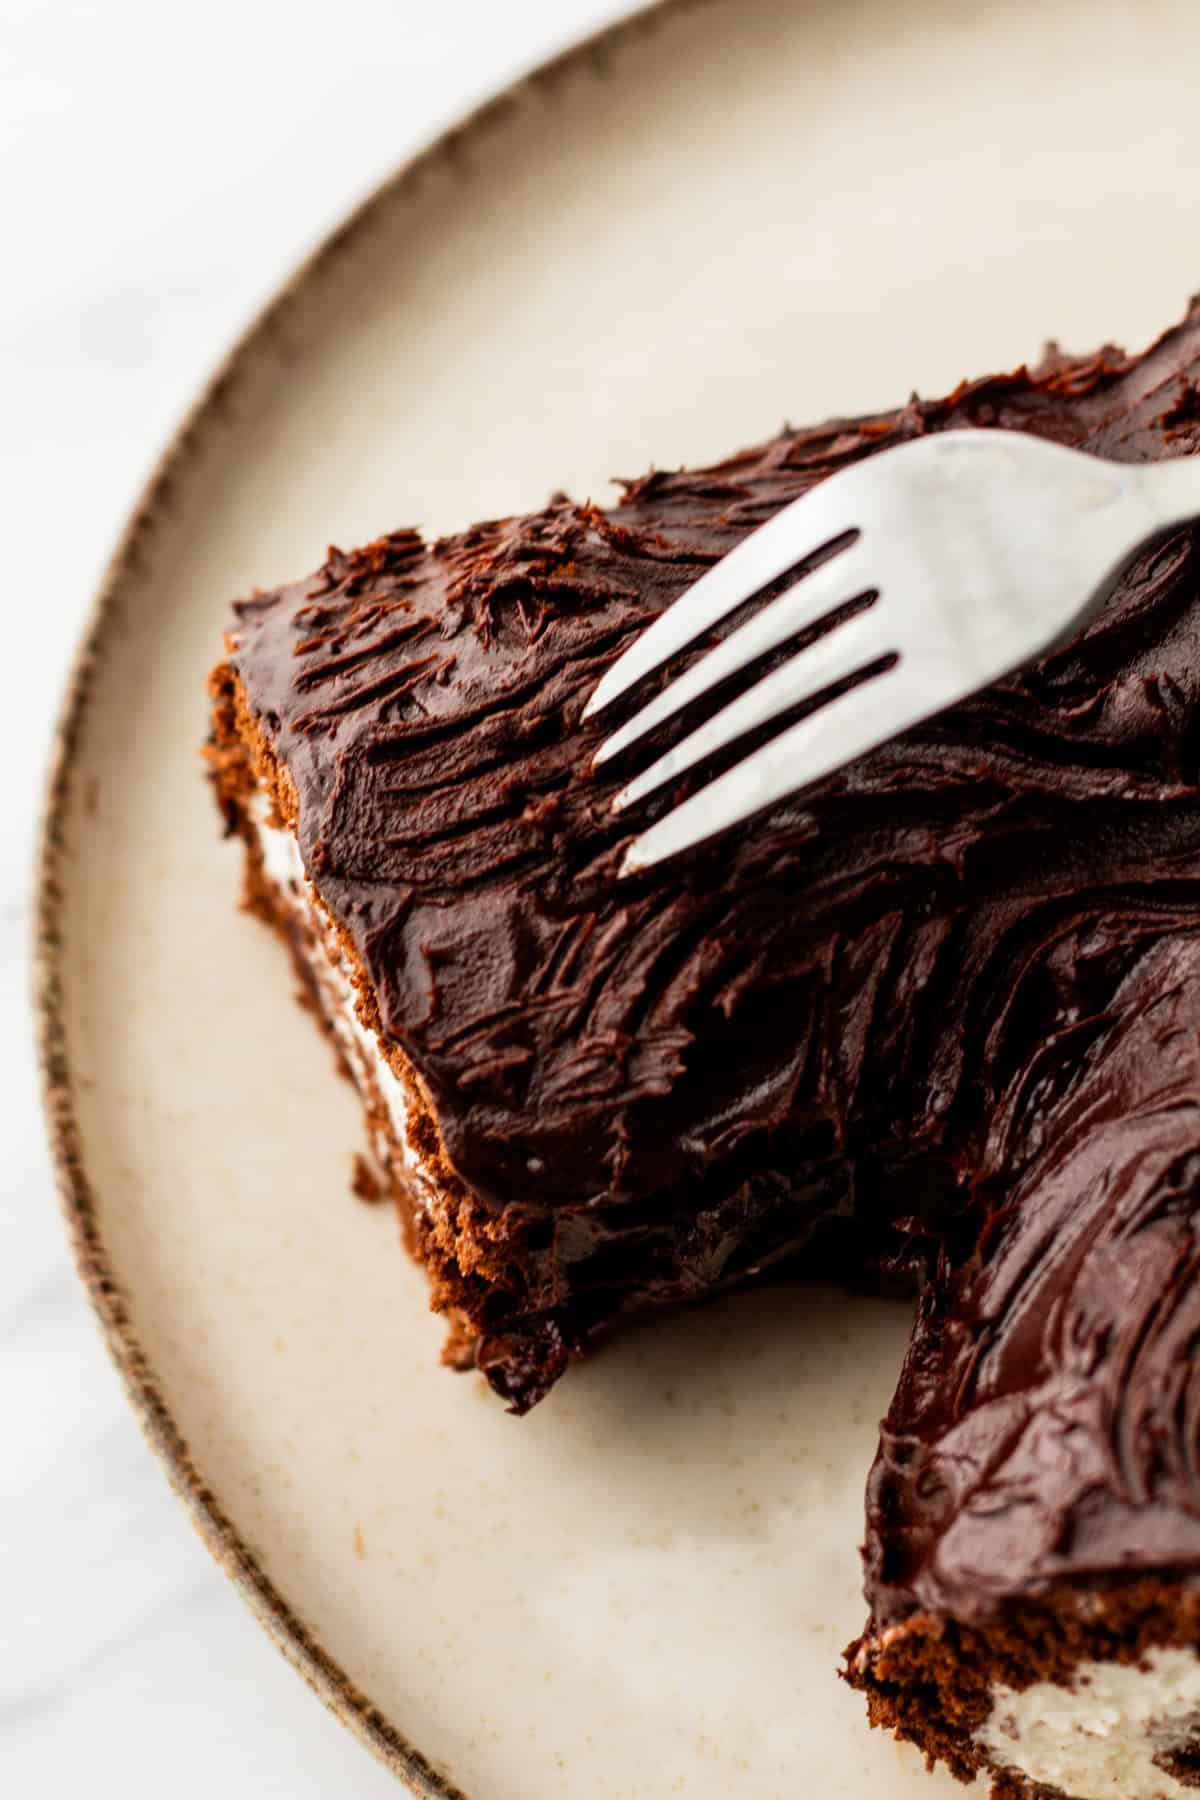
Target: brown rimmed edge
x=232 y=1553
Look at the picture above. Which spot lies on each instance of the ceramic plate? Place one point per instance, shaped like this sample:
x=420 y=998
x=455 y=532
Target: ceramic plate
x=726 y=214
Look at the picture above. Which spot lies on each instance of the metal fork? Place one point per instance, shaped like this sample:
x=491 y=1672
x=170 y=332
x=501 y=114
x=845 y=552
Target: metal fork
x=982 y=550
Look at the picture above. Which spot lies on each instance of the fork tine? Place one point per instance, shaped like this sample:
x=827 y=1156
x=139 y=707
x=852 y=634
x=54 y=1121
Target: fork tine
x=843 y=652
x=762 y=557
x=824 y=741
x=805 y=604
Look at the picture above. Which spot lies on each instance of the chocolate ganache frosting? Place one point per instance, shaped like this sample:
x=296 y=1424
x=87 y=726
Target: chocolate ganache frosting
x=889 y=1020
x=1047 y=1422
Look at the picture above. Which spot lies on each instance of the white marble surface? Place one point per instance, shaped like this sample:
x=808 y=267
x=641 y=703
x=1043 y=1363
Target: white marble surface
x=161 y=168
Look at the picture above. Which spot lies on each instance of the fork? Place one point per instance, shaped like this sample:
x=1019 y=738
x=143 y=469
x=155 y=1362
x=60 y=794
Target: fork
x=970 y=553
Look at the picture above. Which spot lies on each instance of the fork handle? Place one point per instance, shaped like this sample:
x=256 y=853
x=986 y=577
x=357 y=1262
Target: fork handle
x=1144 y=500
x=1171 y=490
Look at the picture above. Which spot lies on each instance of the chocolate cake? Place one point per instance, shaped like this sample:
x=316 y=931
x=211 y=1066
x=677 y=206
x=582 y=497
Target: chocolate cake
x=933 y=1023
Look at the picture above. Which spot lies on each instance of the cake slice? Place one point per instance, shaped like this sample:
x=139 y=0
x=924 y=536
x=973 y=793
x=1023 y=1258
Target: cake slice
x=935 y=1019
x=1033 y=1516
x=597 y=1097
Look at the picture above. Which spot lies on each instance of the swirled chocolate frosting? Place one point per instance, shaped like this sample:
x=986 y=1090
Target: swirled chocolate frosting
x=1047 y=1423
x=896 y=1019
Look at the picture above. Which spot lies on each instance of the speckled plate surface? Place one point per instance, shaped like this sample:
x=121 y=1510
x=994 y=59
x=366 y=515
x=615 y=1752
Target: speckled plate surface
x=728 y=213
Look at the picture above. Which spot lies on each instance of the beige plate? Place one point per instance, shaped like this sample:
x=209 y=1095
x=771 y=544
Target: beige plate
x=721 y=216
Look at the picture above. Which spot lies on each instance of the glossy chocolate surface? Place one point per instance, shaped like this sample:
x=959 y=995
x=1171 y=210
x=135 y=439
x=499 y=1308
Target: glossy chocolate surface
x=844 y=1023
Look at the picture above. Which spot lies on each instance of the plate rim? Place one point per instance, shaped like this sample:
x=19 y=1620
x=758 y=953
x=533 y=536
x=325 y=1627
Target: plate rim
x=232 y=1554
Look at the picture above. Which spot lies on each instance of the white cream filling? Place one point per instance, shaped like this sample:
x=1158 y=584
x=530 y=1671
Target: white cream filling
x=284 y=866
x=1097 y=1740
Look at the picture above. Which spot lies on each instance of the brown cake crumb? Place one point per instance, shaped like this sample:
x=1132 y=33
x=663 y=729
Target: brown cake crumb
x=365 y=1184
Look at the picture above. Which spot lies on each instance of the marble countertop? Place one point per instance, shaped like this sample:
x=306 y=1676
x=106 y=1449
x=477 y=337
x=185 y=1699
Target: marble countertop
x=163 y=169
